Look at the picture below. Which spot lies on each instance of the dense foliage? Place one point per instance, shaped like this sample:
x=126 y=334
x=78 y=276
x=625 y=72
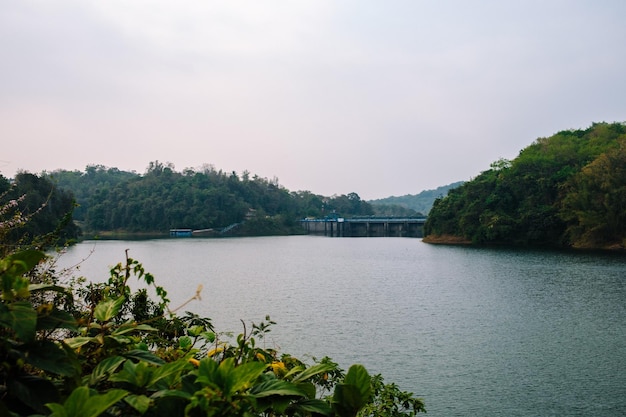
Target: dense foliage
x=162 y=199
x=34 y=210
x=69 y=348
x=565 y=190
x=414 y=204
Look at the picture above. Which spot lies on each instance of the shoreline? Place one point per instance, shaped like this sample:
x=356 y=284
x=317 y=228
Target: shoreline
x=446 y=240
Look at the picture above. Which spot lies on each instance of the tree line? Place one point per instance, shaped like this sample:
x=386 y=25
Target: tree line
x=567 y=190
x=205 y=198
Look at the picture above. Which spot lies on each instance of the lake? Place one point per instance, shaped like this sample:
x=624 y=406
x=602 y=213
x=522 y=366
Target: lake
x=472 y=331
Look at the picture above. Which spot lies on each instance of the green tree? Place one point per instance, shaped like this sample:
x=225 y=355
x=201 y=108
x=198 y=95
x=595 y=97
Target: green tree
x=551 y=194
x=595 y=203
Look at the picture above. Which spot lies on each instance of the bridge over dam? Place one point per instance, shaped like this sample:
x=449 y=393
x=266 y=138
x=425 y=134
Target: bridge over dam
x=366 y=226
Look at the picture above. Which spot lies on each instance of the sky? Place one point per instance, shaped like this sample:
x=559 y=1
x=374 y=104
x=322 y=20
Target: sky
x=381 y=98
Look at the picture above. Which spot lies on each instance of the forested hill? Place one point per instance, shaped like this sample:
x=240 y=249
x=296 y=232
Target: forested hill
x=420 y=203
x=162 y=199
x=567 y=190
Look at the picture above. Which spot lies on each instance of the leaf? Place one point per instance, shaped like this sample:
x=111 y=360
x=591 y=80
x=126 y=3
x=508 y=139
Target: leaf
x=76 y=342
x=21 y=262
x=207 y=372
x=359 y=377
x=308 y=388
x=57 y=319
x=168 y=370
x=208 y=336
x=33 y=391
x=23 y=320
x=119 y=340
x=171 y=393
x=50 y=357
x=76 y=402
x=108 y=308
x=276 y=387
x=317 y=369
x=140 y=403
x=105 y=368
x=100 y=403
x=185 y=342
x=313 y=406
x=243 y=376
x=57 y=410
x=145 y=356
x=132 y=327
x=46 y=287
x=355 y=391
x=138 y=374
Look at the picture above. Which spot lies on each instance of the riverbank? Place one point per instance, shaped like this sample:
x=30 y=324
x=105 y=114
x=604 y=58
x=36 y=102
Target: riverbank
x=446 y=240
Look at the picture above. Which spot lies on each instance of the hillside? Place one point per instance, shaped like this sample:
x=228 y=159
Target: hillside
x=567 y=190
x=421 y=203
x=111 y=200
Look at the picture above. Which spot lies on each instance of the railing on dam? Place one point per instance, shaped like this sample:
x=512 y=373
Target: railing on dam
x=366 y=226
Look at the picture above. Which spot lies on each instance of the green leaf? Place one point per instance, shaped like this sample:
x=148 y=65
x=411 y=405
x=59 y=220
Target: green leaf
x=105 y=368
x=50 y=357
x=132 y=327
x=354 y=393
x=46 y=287
x=57 y=319
x=81 y=404
x=313 y=406
x=171 y=393
x=195 y=330
x=76 y=342
x=21 y=262
x=24 y=320
x=33 y=391
x=208 y=336
x=108 y=308
x=185 y=342
x=168 y=370
x=100 y=403
x=76 y=402
x=145 y=356
x=359 y=377
x=308 y=388
x=317 y=369
x=119 y=340
x=138 y=374
x=140 y=403
x=57 y=410
x=276 y=387
x=208 y=372
x=244 y=375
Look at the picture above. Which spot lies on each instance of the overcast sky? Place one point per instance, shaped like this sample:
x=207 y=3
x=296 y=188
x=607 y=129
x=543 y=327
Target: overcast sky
x=381 y=98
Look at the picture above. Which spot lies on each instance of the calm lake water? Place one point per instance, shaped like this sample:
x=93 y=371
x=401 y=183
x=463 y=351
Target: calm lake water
x=475 y=332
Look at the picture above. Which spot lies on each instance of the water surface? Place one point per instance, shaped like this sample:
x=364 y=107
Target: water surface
x=473 y=331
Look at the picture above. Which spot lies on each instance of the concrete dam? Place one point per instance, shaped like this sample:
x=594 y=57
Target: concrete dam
x=366 y=227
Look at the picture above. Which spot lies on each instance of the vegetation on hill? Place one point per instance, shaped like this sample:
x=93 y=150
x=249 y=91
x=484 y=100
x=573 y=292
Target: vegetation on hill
x=568 y=190
x=162 y=199
x=415 y=204
x=69 y=348
x=46 y=212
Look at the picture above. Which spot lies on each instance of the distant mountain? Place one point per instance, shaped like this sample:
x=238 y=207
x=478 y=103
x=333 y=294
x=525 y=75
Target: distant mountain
x=421 y=202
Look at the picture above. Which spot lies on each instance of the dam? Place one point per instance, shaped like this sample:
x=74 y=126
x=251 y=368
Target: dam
x=366 y=226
